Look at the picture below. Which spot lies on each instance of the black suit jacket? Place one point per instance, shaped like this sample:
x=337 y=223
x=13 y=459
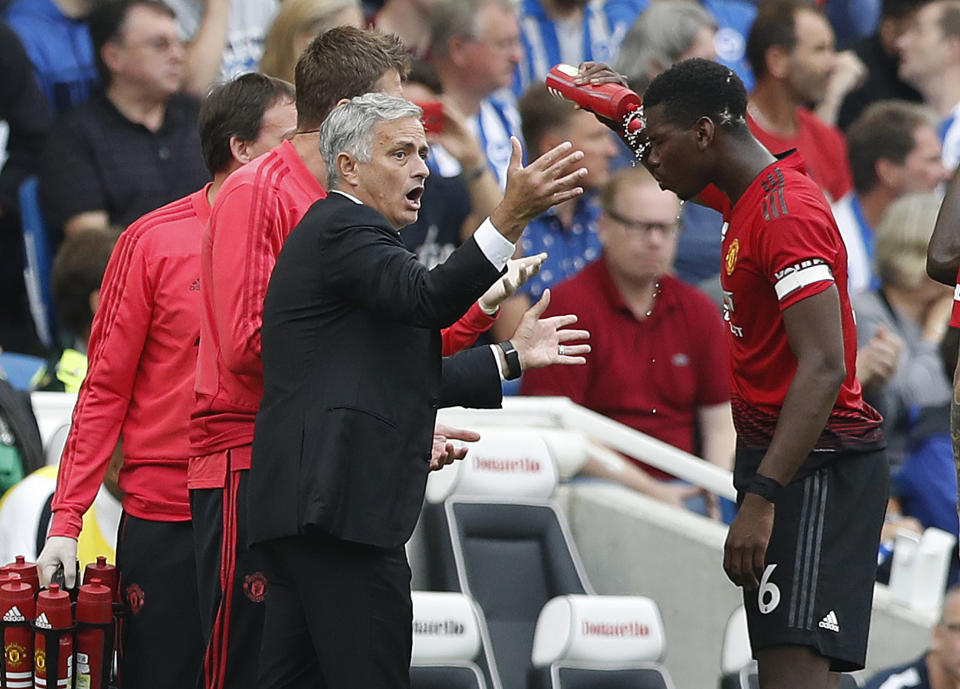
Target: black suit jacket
x=353 y=376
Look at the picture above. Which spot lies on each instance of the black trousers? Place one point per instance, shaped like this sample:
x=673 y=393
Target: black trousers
x=339 y=616
x=160 y=642
x=231 y=583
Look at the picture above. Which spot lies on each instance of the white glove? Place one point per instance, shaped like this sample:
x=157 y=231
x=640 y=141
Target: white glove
x=58 y=550
x=519 y=270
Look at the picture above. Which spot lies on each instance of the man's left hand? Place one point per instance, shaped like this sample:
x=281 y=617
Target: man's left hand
x=445 y=452
x=745 y=551
x=544 y=341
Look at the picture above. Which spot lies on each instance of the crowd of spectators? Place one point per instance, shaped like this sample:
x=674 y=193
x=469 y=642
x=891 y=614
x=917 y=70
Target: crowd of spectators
x=101 y=98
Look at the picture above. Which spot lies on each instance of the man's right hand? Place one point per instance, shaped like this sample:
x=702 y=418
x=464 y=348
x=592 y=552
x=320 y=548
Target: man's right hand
x=551 y=179
x=58 y=550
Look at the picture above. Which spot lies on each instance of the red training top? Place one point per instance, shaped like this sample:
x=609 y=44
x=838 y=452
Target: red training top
x=652 y=374
x=823 y=148
x=256 y=209
x=781 y=245
x=143 y=351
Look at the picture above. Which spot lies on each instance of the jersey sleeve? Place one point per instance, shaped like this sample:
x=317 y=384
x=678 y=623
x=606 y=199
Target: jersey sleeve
x=798 y=252
x=243 y=252
x=116 y=341
x=465 y=331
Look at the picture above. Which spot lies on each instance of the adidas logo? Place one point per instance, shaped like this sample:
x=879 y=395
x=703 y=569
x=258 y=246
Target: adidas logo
x=44 y=623
x=195 y=285
x=830 y=622
x=14 y=615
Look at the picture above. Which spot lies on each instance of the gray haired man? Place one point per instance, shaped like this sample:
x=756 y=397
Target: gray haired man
x=353 y=376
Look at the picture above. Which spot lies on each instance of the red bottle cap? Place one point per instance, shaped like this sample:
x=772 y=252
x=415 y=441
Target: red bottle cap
x=27 y=571
x=16 y=600
x=106 y=573
x=53 y=609
x=95 y=603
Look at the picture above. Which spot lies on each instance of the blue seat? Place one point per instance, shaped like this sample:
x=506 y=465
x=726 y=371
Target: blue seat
x=37 y=262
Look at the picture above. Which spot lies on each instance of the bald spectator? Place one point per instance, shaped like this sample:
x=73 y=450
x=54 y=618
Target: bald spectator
x=658 y=363
x=894 y=150
x=475 y=47
x=939 y=667
x=791 y=51
x=134 y=147
x=878 y=52
x=930 y=61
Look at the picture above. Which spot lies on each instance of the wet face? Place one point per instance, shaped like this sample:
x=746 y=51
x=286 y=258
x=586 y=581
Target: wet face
x=922 y=168
x=812 y=60
x=392 y=181
x=148 y=52
x=672 y=155
x=639 y=232
x=279 y=120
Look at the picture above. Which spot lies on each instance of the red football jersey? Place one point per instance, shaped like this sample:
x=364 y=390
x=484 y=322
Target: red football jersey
x=955 y=316
x=780 y=246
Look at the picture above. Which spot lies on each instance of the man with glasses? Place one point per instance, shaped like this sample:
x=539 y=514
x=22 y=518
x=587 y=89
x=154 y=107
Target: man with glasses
x=658 y=363
x=134 y=147
x=939 y=667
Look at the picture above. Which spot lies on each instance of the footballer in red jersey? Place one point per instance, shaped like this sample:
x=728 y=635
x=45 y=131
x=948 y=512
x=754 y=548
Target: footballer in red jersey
x=811 y=476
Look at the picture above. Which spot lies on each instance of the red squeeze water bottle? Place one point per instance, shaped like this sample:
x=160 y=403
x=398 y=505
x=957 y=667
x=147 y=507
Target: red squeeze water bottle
x=16 y=614
x=94 y=635
x=53 y=640
x=106 y=573
x=27 y=570
x=611 y=101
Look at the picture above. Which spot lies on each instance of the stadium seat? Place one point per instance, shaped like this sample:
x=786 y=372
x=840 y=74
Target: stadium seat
x=599 y=642
x=446 y=642
x=511 y=553
x=37 y=262
x=738 y=670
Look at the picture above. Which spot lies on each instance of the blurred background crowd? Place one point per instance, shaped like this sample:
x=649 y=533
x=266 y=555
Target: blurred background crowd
x=99 y=102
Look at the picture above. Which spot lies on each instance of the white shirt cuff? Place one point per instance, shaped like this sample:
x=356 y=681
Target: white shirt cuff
x=496 y=358
x=497 y=248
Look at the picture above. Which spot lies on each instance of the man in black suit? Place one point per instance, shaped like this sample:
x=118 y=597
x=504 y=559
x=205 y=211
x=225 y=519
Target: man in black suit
x=353 y=377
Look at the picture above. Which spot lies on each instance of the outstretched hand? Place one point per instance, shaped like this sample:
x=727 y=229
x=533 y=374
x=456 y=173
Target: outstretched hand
x=538 y=341
x=445 y=452
x=552 y=178
x=519 y=270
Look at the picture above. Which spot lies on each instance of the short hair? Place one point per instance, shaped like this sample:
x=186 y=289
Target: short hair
x=235 y=109
x=456 y=19
x=343 y=62
x=540 y=113
x=902 y=238
x=697 y=88
x=107 y=22
x=297 y=18
x=349 y=128
x=884 y=131
x=423 y=73
x=77 y=271
x=900 y=9
x=660 y=37
x=635 y=175
x=774 y=25
x=949 y=18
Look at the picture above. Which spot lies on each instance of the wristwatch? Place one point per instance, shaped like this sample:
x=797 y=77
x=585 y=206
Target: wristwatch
x=512 y=358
